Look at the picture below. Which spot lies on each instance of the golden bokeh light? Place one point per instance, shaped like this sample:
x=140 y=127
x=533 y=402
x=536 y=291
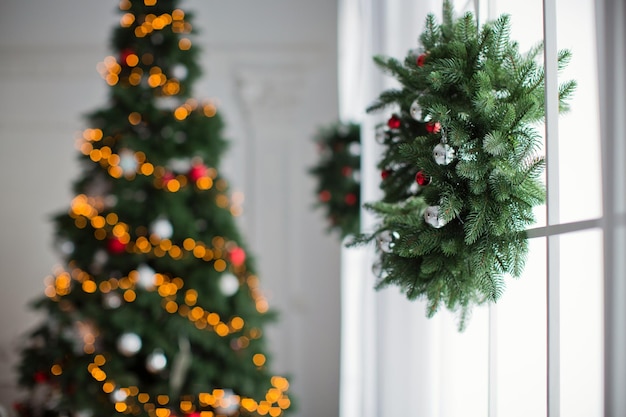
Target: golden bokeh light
x=127 y=19
x=258 y=359
x=184 y=44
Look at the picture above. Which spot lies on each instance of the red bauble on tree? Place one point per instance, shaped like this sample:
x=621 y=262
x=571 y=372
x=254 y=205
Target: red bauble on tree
x=237 y=256
x=198 y=171
x=394 y=122
x=421 y=59
x=433 y=127
x=385 y=173
x=324 y=196
x=350 y=199
x=116 y=246
x=346 y=171
x=422 y=179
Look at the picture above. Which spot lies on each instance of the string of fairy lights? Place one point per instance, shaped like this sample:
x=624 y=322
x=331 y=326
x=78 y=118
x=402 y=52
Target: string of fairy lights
x=90 y=211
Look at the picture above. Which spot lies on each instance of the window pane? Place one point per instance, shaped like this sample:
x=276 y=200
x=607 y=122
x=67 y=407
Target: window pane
x=579 y=130
x=581 y=324
x=520 y=333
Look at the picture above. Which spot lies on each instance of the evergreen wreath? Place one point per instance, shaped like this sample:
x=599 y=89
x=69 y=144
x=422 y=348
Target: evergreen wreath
x=337 y=173
x=461 y=167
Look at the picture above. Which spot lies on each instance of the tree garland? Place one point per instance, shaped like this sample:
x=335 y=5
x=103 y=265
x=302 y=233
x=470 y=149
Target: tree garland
x=338 y=176
x=461 y=171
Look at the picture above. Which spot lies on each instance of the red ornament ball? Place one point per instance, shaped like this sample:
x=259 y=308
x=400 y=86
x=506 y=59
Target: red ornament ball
x=350 y=199
x=433 y=127
x=421 y=59
x=394 y=122
x=237 y=256
x=40 y=377
x=197 y=171
x=422 y=179
x=324 y=196
x=346 y=171
x=385 y=174
x=116 y=246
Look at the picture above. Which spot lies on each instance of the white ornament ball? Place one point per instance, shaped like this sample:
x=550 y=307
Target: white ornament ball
x=67 y=247
x=229 y=284
x=118 y=396
x=433 y=218
x=443 y=153
x=166 y=103
x=156 y=361
x=228 y=404
x=112 y=300
x=128 y=162
x=416 y=111
x=162 y=228
x=180 y=71
x=354 y=148
x=128 y=344
x=146 y=277
x=385 y=242
x=179 y=164
x=356 y=175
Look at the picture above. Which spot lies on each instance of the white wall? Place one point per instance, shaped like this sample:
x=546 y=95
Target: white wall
x=272 y=64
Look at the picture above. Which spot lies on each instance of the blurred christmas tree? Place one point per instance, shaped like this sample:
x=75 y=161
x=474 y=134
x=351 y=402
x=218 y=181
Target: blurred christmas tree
x=338 y=176
x=158 y=309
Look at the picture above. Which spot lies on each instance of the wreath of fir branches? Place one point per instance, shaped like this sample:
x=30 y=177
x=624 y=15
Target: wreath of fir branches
x=337 y=173
x=461 y=166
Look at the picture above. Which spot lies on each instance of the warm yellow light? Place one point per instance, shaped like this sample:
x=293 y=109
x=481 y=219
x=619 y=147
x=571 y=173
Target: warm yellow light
x=105 y=287
x=213 y=319
x=163 y=399
x=189 y=244
x=120 y=407
x=147 y=168
x=98 y=222
x=143 y=398
x=149 y=2
x=129 y=295
x=237 y=323
x=178 y=14
x=112 y=79
x=56 y=370
x=209 y=110
x=119 y=230
x=140 y=31
x=171 y=307
x=184 y=44
x=159 y=23
x=95 y=155
x=204 y=183
x=115 y=171
x=89 y=286
x=111 y=218
x=181 y=113
x=258 y=359
x=221 y=329
x=222 y=201
x=125 y=4
x=249 y=404
x=219 y=265
x=280 y=383
x=284 y=403
x=173 y=186
x=262 y=306
x=86 y=148
x=134 y=118
x=108 y=387
x=206 y=414
x=186 y=406
x=134 y=79
x=132 y=60
x=191 y=297
x=127 y=19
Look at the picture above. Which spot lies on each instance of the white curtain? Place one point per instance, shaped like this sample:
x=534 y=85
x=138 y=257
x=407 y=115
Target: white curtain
x=394 y=360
